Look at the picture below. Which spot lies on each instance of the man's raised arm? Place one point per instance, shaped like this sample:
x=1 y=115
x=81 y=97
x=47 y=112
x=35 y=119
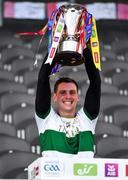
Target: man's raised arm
x=92 y=99
x=43 y=92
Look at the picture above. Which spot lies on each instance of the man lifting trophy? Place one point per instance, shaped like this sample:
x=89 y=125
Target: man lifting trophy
x=66 y=132
x=72 y=40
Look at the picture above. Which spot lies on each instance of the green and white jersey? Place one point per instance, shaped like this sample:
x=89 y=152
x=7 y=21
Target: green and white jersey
x=66 y=137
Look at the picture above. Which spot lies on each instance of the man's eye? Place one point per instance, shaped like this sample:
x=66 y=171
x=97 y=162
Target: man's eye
x=72 y=92
x=62 y=92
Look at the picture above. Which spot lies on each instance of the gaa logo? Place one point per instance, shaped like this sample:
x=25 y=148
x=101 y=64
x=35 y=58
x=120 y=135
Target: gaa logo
x=51 y=167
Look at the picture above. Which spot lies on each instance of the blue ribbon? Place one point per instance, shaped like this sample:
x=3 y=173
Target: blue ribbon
x=50 y=26
x=88 y=27
x=56 y=68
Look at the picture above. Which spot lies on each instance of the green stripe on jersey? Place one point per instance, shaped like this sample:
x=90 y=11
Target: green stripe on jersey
x=54 y=140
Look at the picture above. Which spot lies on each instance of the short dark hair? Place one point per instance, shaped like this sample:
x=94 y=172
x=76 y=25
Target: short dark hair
x=64 y=80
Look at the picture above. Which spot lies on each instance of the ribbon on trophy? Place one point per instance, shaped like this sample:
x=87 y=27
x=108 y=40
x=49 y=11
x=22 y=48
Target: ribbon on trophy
x=94 y=43
x=56 y=39
x=82 y=32
x=51 y=20
x=54 y=35
x=50 y=27
x=39 y=33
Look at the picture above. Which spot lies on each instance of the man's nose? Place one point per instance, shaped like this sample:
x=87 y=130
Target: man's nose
x=68 y=94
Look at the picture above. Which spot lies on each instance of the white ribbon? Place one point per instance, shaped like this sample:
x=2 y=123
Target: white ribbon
x=56 y=39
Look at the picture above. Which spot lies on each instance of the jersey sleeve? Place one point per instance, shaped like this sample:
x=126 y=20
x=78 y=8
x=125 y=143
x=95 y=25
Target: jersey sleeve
x=93 y=94
x=43 y=91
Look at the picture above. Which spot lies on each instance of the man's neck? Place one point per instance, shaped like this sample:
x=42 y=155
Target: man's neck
x=67 y=114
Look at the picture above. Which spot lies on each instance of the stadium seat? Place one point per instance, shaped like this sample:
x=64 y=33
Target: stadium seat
x=7 y=129
x=126 y=56
x=9 y=55
x=30 y=78
x=111 y=102
x=6 y=75
x=112 y=147
x=106 y=129
x=83 y=89
x=6 y=32
x=121 y=80
x=109 y=68
x=11 y=86
x=19 y=66
x=107 y=88
x=21 y=174
x=120 y=117
x=123 y=156
x=11 y=101
x=13 y=143
x=9 y=42
x=118 y=35
x=13 y=164
x=22 y=116
x=31 y=133
x=1 y=116
x=112 y=36
x=108 y=55
x=120 y=46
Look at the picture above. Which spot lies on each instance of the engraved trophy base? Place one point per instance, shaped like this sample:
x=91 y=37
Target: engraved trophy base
x=69 y=58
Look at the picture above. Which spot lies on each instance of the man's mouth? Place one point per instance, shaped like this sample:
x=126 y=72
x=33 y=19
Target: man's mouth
x=67 y=102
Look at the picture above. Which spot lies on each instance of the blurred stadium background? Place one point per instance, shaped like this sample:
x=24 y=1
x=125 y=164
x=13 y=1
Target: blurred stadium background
x=19 y=145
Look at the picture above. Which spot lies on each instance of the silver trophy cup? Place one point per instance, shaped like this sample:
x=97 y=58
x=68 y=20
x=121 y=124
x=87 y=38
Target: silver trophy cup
x=70 y=51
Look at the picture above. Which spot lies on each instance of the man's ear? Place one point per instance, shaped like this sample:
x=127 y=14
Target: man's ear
x=54 y=97
x=78 y=98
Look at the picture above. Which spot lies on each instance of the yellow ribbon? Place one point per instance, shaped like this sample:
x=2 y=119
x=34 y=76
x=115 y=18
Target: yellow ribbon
x=94 y=43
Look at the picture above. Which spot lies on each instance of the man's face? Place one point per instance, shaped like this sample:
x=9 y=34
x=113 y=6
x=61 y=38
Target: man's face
x=66 y=98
